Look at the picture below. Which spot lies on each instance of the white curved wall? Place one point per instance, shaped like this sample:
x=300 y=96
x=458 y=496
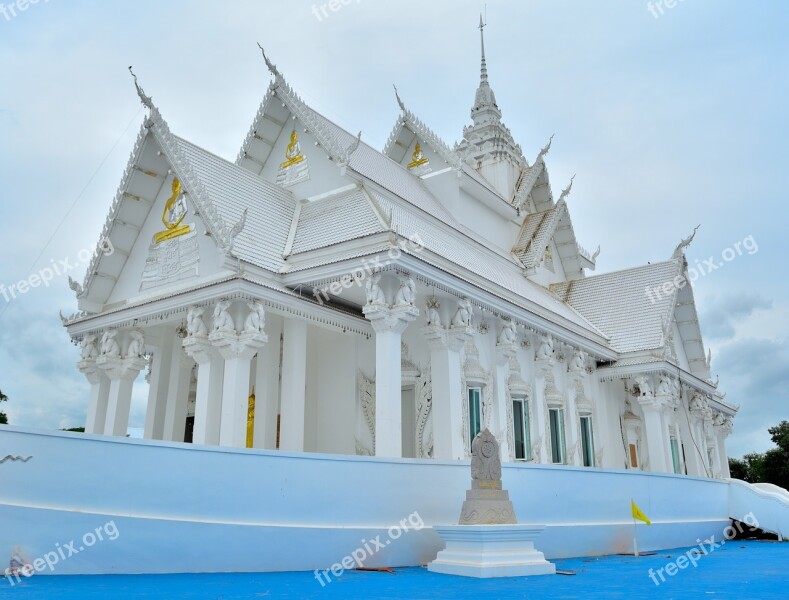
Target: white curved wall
x=183 y=508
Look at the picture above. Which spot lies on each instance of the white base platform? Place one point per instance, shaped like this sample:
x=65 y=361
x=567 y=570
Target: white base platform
x=490 y=551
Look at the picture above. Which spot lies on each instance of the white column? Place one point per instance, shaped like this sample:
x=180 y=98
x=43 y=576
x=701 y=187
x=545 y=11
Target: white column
x=294 y=378
x=157 y=391
x=208 y=401
x=121 y=372
x=389 y=325
x=501 y=424
x=572 y=418
x=656 y=433
x=445 y=346
x=543 y=453
x=267 y=388
x=722 y=432
x=237 y=350
x=99 y=396
x=177 y=397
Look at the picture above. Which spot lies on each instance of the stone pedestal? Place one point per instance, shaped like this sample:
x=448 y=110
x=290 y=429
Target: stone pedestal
x=488 y=541
x=485 y=551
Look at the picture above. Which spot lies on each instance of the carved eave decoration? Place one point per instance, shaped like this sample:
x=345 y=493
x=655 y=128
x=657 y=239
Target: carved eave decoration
x=280 y=89
x=423 y=133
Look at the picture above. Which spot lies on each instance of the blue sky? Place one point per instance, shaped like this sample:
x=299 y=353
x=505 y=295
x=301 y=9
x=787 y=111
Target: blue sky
x=668 y=122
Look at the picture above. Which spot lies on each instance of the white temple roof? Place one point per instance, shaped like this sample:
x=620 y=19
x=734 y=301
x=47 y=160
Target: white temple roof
x=618 y=304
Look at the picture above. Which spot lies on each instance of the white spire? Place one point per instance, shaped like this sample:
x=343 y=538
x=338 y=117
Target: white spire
x=483 y=75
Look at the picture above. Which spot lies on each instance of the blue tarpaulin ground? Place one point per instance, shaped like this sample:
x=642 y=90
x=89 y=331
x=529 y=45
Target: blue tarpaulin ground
x=741 y=570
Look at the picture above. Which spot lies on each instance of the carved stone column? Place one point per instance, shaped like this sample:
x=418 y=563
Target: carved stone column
x=294 y=375
x=723 y=428
x=445 y=346
x=656 y=434
x=575 y=377
x=541 y=446
x=99 y=395
x=389 y=325
x=121 y=372
x=177 y=397
x=157 y=389
x=237 y=349
x=208 y=402
x=502 y=414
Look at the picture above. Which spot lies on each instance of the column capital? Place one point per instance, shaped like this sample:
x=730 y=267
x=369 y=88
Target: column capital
x=89 y=369
x=390 y=319
x=504 y=353
x=233 y=345
x=651 y=403
x=199 y=348
x=452 y=338
x=117 y=368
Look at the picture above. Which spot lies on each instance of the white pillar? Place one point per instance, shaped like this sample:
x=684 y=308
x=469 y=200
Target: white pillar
x=237 y=350
x=503 y=401
x=208 y=401
x=99 y=396
x=389 y=325
x=445 y=346
x=157 y=390
x=121 y=372
x=722 y=433
x=267 y=388
x=177 y=397
x=572 y=418
x=543 y=453
x=294 y=381
x=656 y=433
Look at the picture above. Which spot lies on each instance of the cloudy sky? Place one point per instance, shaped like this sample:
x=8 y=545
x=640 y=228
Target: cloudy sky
x=669 y=120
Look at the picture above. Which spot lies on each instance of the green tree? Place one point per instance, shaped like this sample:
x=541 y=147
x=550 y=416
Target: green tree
x=769 y=467
x=3 y=417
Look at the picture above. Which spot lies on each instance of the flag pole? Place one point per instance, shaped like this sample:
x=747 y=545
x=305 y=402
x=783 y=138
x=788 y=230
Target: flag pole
x=635 y=538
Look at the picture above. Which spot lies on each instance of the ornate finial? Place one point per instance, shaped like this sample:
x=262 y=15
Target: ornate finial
x=680 y=249
x=399 y=101
x=75 y=286
x=354 y=145
x=271 y=66
x=596 y=253
x=146 y=100
x=545 y=150
x=566 y=191
x=238 y=227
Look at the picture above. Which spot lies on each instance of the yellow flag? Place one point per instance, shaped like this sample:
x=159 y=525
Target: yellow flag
x=637 y=514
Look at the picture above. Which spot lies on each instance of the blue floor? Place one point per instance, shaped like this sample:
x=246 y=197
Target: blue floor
x=742 y=570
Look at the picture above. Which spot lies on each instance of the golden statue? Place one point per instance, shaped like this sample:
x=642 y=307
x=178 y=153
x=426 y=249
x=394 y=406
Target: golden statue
x=293 y=151
x=251 y=419
x=174 y=213
x=417 y=158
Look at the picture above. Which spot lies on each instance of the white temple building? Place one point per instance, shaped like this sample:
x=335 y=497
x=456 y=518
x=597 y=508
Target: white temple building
x=320 y=295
